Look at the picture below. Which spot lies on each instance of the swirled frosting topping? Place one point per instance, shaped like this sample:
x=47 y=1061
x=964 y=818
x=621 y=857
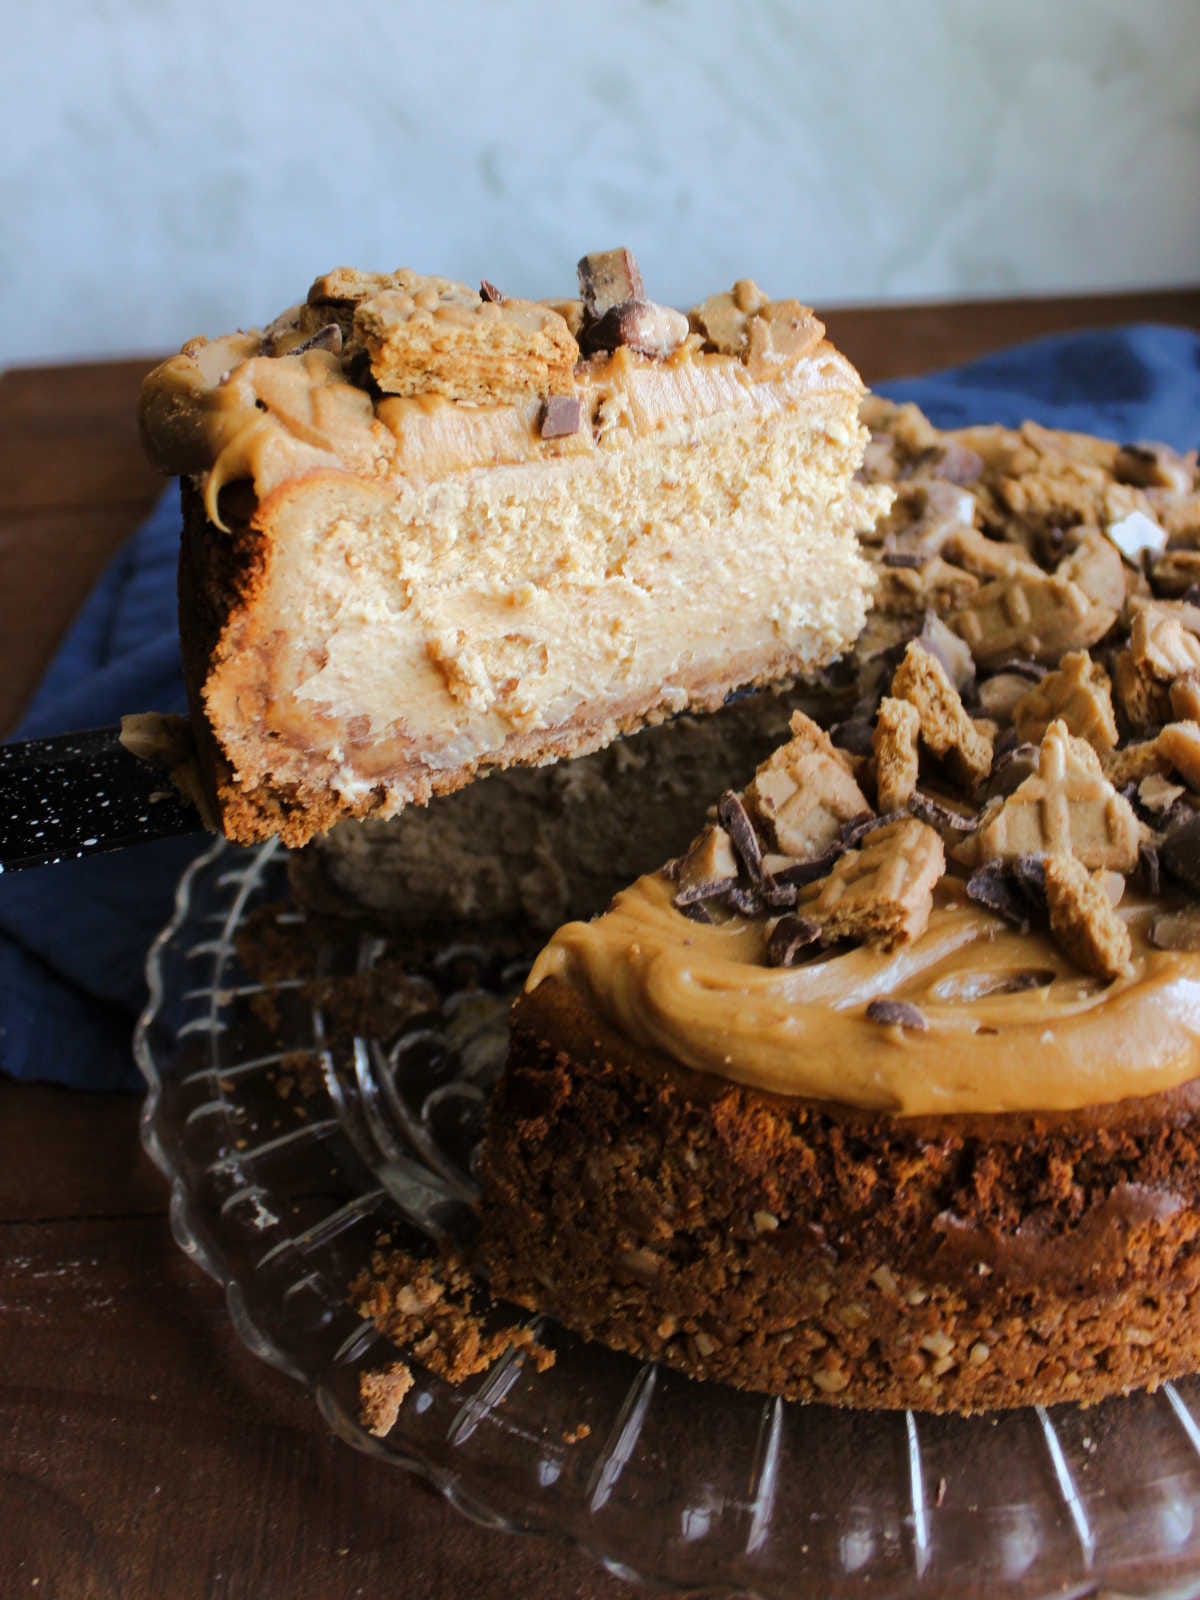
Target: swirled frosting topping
x=1010 y=1023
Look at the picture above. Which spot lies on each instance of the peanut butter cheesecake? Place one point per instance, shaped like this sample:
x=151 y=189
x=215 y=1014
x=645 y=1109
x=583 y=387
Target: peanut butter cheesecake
x=887 y=1091
x=430 y=532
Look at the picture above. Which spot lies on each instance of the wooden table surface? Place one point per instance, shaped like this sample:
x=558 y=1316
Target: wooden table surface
x=143 y=1451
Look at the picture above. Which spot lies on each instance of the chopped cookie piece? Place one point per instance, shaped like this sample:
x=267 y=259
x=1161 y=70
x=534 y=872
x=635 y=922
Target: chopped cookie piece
x=1083 y=920
x=1096 y=567
x=1144 y=703
x=1185 y=697
x=744 y=322
x=435 y=337
x=1080 y=693
x=1030 y=612
x=946 y=728
x=805 y=792
x=381 y=1395
x=1067 y=805
x=989 y=558
x=1161 y=647
x=895 y=740
x=1179 y=742
x=881 y=893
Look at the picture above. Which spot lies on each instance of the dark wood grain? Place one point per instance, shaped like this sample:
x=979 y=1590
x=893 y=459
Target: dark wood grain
x=145 y=1455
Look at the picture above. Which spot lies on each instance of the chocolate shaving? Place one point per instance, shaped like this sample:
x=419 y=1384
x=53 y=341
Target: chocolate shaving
x=1011 y=770
x=857 y=829
x=735 y=819
x=897 y=1014
x=1002 y=890
x=327 y=338
x=562 y=415
x=790 y=935
x=1029 y=874
x=695 y=911
x=1180 y=853
x=930 y=810
x=488 y=291
x=746 y=901
x=904 y=558
x=801 y=872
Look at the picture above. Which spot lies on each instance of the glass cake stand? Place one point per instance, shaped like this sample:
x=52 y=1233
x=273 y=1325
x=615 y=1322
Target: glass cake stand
x=287 y=1162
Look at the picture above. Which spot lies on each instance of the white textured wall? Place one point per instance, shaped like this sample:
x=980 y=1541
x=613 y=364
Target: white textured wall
x=169 y=167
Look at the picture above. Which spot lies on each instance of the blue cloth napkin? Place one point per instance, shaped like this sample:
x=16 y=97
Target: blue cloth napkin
x=73 y=937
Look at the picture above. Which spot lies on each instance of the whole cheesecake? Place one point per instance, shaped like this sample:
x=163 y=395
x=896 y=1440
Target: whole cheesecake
x=431 y=532
x=887 y=1091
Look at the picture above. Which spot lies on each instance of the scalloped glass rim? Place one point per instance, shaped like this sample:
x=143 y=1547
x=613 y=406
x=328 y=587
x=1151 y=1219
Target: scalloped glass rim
x=280 y=1195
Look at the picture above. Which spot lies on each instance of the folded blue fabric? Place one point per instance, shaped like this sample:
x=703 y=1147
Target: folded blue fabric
x=73 y=938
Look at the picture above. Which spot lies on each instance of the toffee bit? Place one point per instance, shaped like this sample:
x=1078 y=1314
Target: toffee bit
x=790 y=935
x=897 y=1014
x=932 y=811
x=735 y=819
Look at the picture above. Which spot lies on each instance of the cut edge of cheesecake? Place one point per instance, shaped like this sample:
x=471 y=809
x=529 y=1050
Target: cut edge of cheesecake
x=385 y=593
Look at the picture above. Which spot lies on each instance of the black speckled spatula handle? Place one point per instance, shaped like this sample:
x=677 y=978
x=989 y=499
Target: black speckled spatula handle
x=80 y=793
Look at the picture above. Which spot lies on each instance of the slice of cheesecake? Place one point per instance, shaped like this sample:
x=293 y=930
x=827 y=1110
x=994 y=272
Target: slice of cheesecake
x=429 y=532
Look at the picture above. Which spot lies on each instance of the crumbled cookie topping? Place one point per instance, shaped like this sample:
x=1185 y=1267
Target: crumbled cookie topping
x=1027 y=716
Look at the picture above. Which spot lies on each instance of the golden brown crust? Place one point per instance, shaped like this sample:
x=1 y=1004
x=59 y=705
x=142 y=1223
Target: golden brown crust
x=820 y=1252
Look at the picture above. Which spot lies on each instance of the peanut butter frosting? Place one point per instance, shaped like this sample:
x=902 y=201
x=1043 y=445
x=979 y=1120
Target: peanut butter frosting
x=703 y=996
x=975 y=890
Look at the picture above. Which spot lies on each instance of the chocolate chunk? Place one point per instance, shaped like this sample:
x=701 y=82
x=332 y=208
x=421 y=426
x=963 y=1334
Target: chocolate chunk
x=651 y=330
x=1029 y=873
x=1178 y=930
x=1180 y=852
x=735 y=819
x=608 y=278
x=790 y=935
x=897 y=1014
x=937 y=815
x=903 y=558
x=562 y=415
x=488 y=291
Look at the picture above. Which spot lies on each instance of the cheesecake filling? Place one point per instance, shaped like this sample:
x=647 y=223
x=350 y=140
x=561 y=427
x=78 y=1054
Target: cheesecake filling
x=701 y=994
